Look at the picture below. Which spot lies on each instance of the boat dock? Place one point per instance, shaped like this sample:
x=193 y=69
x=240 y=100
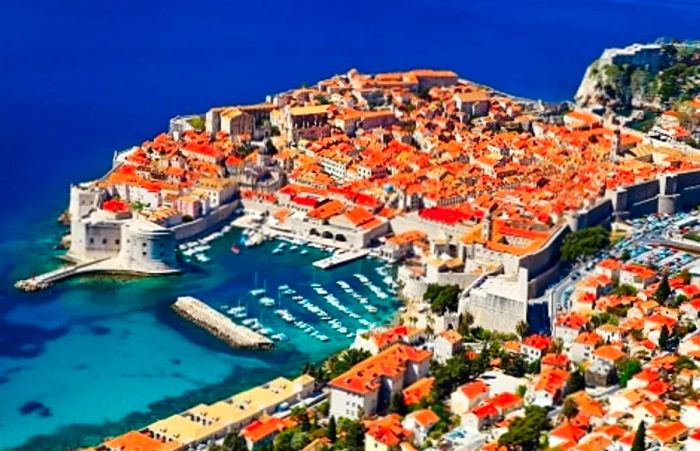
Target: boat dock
x=340 y=258
x=219 y=325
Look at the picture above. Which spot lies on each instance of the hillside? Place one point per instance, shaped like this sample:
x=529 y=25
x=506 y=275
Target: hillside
x=650 y=77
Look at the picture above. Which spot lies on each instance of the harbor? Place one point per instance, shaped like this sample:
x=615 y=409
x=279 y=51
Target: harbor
x=219 y=325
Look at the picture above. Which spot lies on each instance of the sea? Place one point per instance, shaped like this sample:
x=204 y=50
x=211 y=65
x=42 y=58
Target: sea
x=80 y=79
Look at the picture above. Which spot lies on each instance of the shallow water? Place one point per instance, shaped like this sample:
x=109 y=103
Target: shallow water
x=92 y=351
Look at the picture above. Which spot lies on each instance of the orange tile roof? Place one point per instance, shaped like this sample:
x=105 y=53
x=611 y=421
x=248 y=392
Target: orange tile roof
x=138 y=441
x=414 y=393
x=365 y=376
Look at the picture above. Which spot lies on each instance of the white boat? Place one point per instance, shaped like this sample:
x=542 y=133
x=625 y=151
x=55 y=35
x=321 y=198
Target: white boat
x=293 y=248
x=265 y=331
x=266 y=301
x=371 y=308
x=277 y=251
x=257 y=292
x=279 y=337
x=304 y=252
x=323 y=338
x=283 y=287
x=249 y=321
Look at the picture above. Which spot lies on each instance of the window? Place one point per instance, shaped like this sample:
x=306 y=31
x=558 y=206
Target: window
x=143 y=253
x=116 y=241
x=92 y=241
x=143 y=244
x=104 y=240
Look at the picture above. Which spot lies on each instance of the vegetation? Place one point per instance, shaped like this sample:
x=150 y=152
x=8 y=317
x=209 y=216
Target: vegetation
x=626 y=369
x=522 y=329
x=624 y=290
x=336 y=364
x=584 y=242
x=663 y=291
x=197 y=123
x=524 y=432
x=232 y=442
x=663 y=338
x=442 y=298
x=576 y=382
x=639 y=443
x=569 y=409
x=514 y=364
x=398 y=405
x=456 y=371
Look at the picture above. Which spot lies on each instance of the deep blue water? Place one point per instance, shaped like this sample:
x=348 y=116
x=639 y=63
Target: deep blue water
x=80 y=79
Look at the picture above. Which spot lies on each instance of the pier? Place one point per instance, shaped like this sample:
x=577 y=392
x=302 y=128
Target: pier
x=340 y=258
x=45 y=280
x=219 y=324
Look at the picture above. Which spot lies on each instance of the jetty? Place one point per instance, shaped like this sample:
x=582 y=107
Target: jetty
x=340 y=259
x=45 y=280
x=219 y=324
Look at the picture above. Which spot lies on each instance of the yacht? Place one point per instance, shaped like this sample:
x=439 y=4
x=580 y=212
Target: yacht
x=257 y=292
x=279 y=337
x=266 y=301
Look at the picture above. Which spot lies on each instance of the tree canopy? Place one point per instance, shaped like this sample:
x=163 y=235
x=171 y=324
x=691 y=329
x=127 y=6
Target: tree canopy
x=524 y=432
x=442 y=298
x=584 y=242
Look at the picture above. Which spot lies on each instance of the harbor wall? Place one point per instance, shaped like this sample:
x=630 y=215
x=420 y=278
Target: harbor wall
x=204 y=224
x=219 y=325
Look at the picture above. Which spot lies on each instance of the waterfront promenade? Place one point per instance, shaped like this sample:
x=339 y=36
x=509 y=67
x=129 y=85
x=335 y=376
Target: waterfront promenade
x=219 y=325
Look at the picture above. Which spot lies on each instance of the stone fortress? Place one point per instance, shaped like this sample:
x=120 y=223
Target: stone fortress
x=118 y=240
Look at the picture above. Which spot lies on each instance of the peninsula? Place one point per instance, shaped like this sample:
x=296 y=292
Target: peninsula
x=464 y=185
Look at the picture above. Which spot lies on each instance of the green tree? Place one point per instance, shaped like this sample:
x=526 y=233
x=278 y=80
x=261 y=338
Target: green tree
x=584 y=242
x=663 y=338
x=354 y=439
x=299 y=440
x=398 y=405
x=663 y=291
x=442 y=298
x=330 y=430
x=576 y=382
x=514 y=364
x=465 y=323
x=522 y=329
x=624 y=290
x=639 y=442
x=626 y=369
x=684 y=362
x=283 y=440
x=570 y=408
x=524 y=432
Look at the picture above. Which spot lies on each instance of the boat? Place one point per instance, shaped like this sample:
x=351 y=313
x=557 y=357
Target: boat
x=279 y=337
x=283 y=287
x=257 y=292
x=304 y=252
x=323 y=338
x=293 y=248
x=277 y=251
x=235 y=249
x=267 y=301
x=265 y=331
x=371 y=308
x=249 y=321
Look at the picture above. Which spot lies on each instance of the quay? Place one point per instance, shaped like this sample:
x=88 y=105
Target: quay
x=219 y=325
x=340 y=258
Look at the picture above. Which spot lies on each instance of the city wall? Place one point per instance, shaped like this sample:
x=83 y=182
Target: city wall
x=204 y=224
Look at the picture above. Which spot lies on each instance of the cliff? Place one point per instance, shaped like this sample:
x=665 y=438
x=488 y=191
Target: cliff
x=652 y=77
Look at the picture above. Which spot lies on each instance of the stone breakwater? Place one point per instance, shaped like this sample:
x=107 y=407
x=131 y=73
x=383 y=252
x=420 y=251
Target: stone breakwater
x=219 y=325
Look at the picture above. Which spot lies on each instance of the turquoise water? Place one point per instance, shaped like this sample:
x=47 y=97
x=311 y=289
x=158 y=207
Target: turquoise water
x=94 y=357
